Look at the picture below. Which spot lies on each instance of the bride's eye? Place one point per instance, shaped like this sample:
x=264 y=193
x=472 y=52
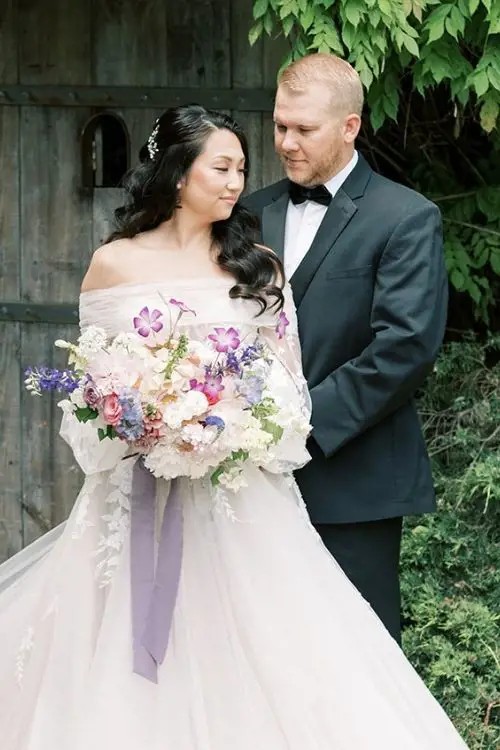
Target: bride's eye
x=221 y=169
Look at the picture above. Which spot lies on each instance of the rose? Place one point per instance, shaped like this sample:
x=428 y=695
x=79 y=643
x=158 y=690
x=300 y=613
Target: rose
x=112 y=410
x=92 y=396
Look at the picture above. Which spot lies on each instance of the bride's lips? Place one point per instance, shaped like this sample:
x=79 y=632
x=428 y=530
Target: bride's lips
x=231 y=201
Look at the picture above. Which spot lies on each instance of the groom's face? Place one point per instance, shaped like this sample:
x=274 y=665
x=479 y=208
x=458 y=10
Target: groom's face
x=309 y=136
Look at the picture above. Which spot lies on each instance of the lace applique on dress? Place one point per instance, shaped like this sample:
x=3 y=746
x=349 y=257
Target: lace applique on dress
x=25 y=649
x=116 y=521
x=81 y=520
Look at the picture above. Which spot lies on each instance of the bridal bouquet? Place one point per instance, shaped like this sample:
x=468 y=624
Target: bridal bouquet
x=190 y=407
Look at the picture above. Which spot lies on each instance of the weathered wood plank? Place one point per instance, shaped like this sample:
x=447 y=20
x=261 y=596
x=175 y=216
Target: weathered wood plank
x=55 y=212
x=129 y=43
x=10 y=452
x=275 y=50
x=55 y=247
x=54 y=41
x=8 y=42
x=11 y=523
x=56 y=238
x=198 y=50
x=9 y=207
x=247 y=71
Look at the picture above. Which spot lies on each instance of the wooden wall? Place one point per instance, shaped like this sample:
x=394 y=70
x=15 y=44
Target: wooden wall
x=49 y=224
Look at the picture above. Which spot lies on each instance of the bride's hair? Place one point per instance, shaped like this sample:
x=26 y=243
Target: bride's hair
x=178 y=138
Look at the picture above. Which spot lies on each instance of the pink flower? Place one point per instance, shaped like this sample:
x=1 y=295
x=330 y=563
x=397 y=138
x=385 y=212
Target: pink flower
x=283 y=322
x=225 y=339
x=146 y=322
x=212 y=388
x=112 y=410
x=92 y=396
x=181 y=306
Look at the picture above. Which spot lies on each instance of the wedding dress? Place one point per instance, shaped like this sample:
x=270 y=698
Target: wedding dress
x=271 y=647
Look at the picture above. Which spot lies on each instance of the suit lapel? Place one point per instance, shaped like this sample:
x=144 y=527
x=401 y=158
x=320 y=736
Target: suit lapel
x=339 y=213
x=273 y=224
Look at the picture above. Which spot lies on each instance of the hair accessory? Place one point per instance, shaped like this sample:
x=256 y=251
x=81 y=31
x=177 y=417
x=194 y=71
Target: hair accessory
x=152 y=144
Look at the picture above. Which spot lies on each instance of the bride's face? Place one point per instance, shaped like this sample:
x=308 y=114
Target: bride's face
x=216 y=178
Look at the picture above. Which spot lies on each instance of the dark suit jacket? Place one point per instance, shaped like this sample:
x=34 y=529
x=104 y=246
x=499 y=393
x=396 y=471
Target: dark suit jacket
x=371 y=297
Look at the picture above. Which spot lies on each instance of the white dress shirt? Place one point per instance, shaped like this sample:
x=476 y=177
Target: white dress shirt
x=303 y=220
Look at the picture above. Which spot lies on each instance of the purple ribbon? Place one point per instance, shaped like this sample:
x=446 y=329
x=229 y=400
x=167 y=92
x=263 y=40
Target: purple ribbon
x=153 y=592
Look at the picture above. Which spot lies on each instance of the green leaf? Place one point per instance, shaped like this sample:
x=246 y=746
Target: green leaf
x=85 y=414
x=436 y=21
x=494 y=76
x=480 y=82
x=287 y=25
x=260 y=8
x=473 y=6
x=307 y=18
x=273 y=429
x=348 y=35
x=268 y=24
x=455 y=23
x=474 y=291
x=495 y=260
x=352 y=13
x=457 y=279
x=255 y=32
x=411 y=45
x=109 y=432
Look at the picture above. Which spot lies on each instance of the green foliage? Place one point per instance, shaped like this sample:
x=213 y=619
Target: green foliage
x=431 y=71
x=431 y=41
x=451 y=560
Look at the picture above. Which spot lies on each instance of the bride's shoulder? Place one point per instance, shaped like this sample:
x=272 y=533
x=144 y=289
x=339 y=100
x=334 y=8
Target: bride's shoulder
x=106 y=265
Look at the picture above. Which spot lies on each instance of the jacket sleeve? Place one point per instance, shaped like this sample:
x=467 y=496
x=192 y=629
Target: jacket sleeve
x=408 y=318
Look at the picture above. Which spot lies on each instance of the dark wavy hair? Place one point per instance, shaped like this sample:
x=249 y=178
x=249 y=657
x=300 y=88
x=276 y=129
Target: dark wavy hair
x=178 y=138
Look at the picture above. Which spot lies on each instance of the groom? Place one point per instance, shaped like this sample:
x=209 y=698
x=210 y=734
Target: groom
x=364 y=257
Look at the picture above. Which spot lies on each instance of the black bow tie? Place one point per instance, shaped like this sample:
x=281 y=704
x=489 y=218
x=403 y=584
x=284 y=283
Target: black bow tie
x=318 y=194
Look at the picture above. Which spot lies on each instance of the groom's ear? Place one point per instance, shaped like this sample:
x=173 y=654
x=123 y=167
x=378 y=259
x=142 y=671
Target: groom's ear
x=351 y=126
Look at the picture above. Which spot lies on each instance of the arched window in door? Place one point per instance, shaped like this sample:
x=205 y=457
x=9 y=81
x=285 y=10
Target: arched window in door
x=105 y=151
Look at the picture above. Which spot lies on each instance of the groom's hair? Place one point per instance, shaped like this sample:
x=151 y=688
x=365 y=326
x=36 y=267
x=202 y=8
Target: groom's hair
x=341 y=78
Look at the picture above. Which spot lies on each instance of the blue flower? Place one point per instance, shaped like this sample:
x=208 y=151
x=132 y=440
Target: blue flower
x=251 y=388
x=131 y=426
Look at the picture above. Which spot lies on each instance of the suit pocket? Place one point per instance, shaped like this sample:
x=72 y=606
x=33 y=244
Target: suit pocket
x=345 y=273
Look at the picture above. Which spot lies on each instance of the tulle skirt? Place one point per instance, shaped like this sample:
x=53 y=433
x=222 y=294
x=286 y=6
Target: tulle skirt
x=271 y=646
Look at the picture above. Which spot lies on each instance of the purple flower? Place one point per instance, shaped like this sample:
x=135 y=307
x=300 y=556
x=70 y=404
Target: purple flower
x=232 y=363
x=283 y=322
x=146 y=322
x=181 y=306
x=251 y=353
x=39 y=379
x=225 y=339
x=212 y=387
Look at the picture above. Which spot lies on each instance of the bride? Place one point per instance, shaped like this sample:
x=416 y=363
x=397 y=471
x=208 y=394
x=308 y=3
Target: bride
x=270 y=646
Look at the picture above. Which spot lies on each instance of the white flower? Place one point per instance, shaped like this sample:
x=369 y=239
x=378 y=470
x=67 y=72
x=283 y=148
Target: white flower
x=76 y=398
x=66 y=406
x=91 y=341
x=189 y=405
x=196 y=434
x=233 y=478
